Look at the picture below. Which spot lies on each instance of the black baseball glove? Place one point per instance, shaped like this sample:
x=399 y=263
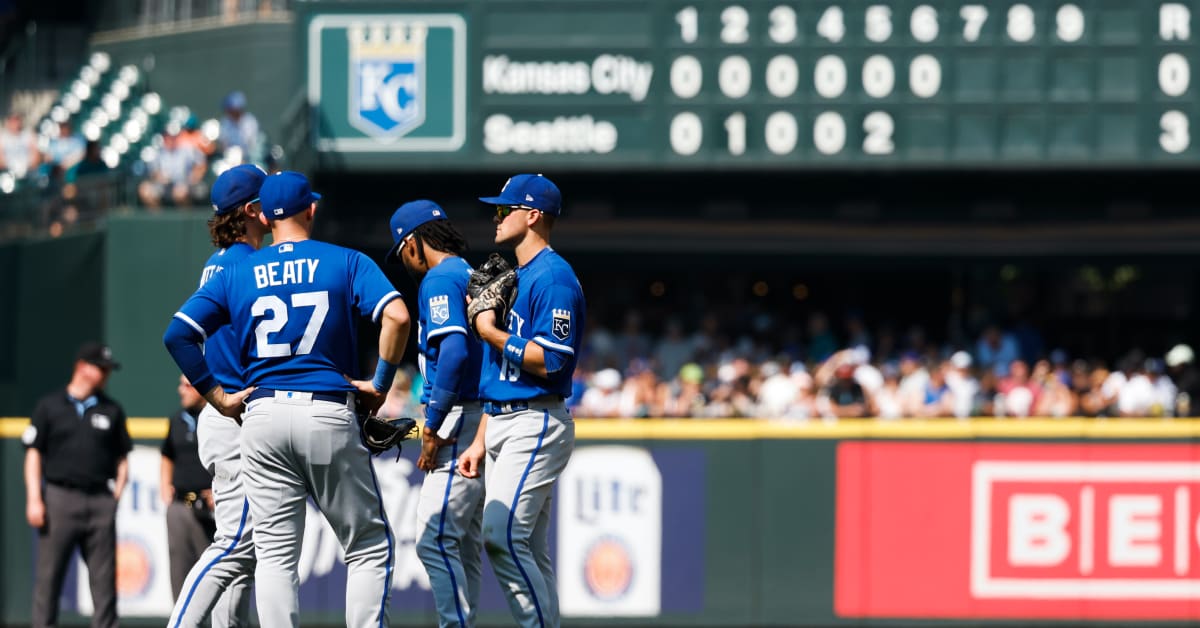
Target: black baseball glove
x=380 y=435
x=487 y=271
x=498 y=295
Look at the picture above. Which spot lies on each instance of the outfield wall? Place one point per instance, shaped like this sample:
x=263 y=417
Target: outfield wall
x=740 y=523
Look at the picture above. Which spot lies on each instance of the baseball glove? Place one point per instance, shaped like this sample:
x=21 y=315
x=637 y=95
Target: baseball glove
x=380 y=435
x=498 y=295
x=487 y=271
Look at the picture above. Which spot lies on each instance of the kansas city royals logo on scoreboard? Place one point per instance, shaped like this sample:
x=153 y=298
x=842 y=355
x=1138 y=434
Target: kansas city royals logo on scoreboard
x=562 y=324
x=439 y=309
x=388 y=82
x=387 y=77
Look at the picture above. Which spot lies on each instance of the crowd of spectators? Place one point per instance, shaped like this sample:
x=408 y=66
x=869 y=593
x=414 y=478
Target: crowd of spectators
x=702 y=373
x=75 y=179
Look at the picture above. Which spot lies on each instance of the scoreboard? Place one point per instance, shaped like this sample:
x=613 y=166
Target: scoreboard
x=763 y=84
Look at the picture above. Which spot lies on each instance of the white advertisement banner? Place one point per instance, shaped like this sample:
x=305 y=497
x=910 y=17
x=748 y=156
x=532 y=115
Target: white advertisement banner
x=610 y=533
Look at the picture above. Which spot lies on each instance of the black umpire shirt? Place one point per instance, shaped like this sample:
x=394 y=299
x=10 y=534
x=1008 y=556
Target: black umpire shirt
x=81 y=440
x=181 y=448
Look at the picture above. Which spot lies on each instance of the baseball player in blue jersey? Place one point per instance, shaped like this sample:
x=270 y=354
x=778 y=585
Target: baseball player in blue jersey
x=528 y=434
x=293 y=307
x=450 y=511
x=219 y=582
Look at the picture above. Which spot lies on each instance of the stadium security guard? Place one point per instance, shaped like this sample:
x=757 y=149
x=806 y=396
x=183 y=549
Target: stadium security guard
x=77 y=442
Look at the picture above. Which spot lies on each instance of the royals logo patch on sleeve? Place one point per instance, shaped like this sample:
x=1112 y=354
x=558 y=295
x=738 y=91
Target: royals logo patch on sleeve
x=562 y=324
x=439 y=309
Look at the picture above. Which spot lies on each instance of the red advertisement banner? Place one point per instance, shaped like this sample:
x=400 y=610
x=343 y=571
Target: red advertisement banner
x=1037 y=531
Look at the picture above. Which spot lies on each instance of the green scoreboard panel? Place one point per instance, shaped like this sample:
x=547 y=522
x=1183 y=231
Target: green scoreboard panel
x=693 y=84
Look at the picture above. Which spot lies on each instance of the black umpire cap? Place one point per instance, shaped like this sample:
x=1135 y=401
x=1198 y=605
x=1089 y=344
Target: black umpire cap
x=98 y=354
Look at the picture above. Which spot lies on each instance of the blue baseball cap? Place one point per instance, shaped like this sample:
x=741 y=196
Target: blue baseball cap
x=285 y=193
x=235 y=100
x=410 y=216
x=236 y=187
x=529 y=190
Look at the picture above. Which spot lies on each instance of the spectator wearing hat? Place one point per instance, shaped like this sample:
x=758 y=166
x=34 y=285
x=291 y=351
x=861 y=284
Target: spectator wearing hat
x=913 y=378
x=1148 y=393
x=192 y=135
x=843 y=397
x=64 y=150
x=75 y=470
x=1181 y=365
x=239 y=129
x=176 y=174
x=962 y=383
x=997 y=350
x=886 y=402
x=686 y=397
x=603 y=398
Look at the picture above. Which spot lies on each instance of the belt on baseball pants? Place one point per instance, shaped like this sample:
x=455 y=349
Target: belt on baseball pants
x=333 y=397
x=505 y=407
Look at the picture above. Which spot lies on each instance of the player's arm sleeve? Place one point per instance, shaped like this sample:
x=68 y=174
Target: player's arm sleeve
x=452 y=357
x=371 y=289
x=445 y=299
x=558 y=314
x=190 y=327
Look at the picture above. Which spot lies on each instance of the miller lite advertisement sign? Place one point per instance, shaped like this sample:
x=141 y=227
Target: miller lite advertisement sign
x=610 y=533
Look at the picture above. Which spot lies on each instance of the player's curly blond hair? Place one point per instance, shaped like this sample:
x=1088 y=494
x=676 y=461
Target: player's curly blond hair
x=226 y=229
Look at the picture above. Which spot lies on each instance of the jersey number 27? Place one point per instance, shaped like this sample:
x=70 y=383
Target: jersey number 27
x=278 y=310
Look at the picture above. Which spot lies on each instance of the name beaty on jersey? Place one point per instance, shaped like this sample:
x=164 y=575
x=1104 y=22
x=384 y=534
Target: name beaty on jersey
x=291 y=271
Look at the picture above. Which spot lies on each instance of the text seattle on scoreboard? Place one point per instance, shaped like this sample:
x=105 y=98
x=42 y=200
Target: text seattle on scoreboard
x=695 y=84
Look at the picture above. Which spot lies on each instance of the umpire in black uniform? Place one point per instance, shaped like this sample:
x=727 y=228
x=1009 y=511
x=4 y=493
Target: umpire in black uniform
x=77 y=443
x=186 y=488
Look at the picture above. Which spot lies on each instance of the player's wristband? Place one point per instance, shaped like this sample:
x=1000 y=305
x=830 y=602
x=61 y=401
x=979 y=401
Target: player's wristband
x=514 y=349
x=384 y=373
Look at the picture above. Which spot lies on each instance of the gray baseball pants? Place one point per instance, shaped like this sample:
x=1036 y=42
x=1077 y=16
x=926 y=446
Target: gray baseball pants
x=449 y=522
x=527 y=451
x=218 y=585
x=294 y=447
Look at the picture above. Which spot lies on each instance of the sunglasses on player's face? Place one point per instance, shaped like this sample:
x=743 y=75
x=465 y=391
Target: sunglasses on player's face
x=502 y=211
x=403 y=242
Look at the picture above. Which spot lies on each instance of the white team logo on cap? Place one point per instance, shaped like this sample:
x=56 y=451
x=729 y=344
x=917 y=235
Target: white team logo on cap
x=437 y=212
x=278 y=211
x=528 y=198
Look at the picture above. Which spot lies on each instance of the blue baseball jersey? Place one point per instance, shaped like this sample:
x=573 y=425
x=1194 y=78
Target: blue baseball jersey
x=442 y=309
x=549 y=310
x=293 y=309
x=220 y=350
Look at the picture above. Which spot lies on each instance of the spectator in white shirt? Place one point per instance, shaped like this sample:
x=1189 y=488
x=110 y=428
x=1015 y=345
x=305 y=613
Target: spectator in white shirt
x=177 y=173
x=18 y=147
